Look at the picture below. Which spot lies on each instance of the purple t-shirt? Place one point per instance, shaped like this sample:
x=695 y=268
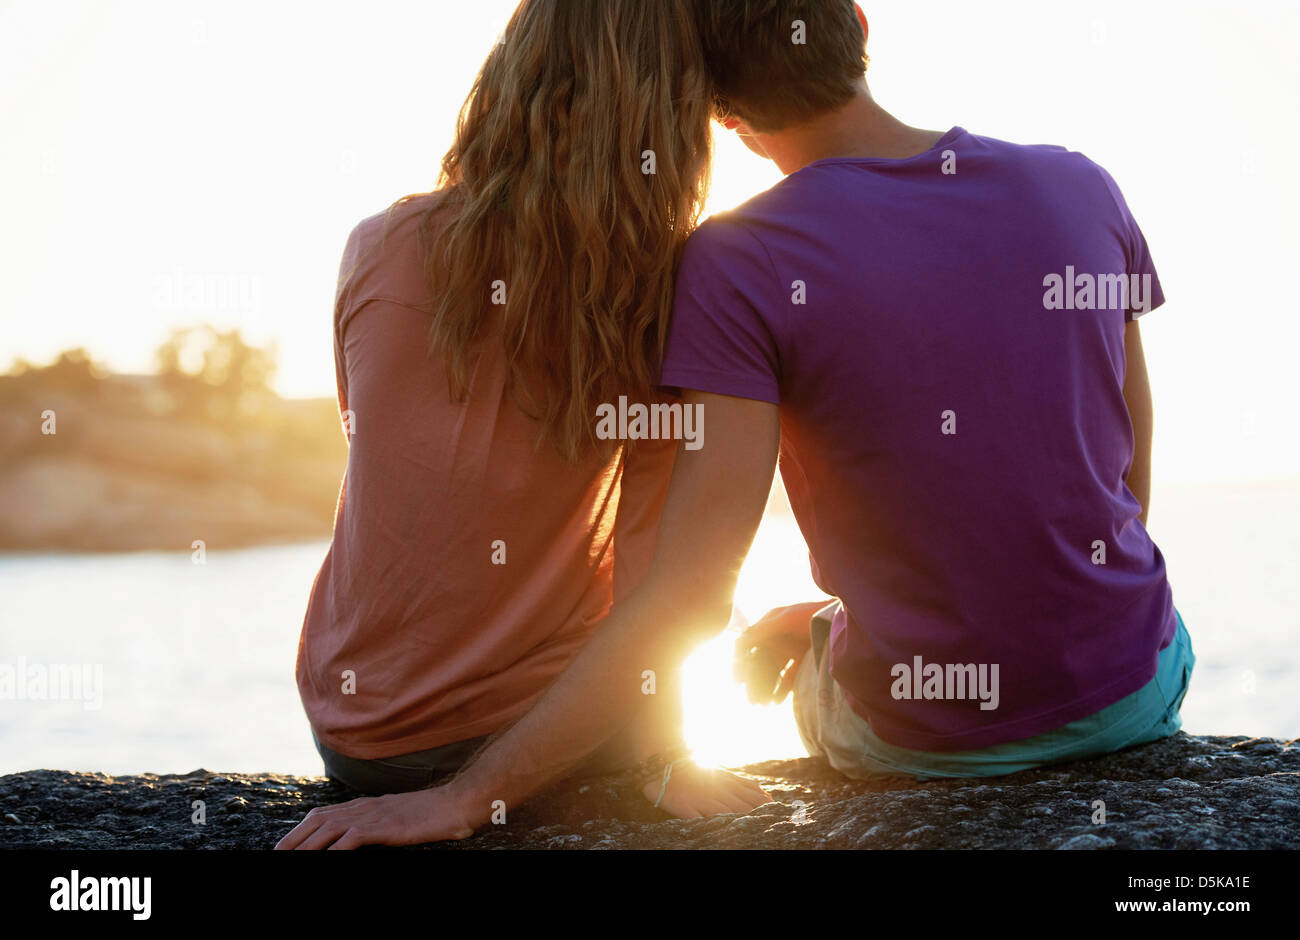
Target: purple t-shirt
x=944 y=335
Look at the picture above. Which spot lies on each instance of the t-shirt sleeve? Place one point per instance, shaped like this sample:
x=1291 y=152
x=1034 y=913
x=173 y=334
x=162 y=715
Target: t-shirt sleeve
x=1145 y=293
x=724 y=332
x=342 y=311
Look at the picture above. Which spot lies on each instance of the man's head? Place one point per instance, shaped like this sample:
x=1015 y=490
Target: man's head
x=780 y=63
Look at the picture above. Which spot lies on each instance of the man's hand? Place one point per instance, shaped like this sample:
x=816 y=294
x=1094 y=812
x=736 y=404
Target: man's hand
x=398 y=819
x=768 y=653
x=702 y=791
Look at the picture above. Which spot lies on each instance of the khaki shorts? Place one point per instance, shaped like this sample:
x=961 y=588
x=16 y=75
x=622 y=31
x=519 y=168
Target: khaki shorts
x=832 y=730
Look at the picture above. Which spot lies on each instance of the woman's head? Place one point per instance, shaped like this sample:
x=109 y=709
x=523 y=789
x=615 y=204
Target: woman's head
x=580 y=162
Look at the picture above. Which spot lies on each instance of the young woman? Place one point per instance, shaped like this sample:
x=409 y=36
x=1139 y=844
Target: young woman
x=483 y=530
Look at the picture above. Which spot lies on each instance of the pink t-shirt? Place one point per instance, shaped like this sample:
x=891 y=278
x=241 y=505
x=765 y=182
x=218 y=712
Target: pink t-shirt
x=468 y=565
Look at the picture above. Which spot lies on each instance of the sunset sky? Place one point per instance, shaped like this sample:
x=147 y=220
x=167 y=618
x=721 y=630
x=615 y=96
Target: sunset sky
x=165 y=163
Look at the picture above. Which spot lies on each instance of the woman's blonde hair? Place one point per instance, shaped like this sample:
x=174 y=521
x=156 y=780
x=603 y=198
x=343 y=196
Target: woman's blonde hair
x=580 y=164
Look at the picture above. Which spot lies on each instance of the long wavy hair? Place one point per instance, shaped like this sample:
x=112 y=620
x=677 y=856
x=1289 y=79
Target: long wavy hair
x=580 y=164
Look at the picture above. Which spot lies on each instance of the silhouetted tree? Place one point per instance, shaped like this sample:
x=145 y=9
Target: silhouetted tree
x=216 y=375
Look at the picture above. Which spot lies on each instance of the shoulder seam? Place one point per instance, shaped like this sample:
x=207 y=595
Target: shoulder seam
x=771 y=265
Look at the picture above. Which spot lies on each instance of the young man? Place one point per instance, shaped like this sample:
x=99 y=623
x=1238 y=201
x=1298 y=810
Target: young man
x=937 y=332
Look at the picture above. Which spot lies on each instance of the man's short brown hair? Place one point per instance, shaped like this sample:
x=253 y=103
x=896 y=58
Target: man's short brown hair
x=779 y=63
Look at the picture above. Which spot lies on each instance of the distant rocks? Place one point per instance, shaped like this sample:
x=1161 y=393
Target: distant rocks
x=117 y=477
x=1181 y=793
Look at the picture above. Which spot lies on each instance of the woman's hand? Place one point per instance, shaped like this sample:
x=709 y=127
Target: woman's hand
x=397 y=819
x=701 y=791
x=768 y=653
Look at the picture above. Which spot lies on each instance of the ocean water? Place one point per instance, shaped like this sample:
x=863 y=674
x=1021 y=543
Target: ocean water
x=197 y=660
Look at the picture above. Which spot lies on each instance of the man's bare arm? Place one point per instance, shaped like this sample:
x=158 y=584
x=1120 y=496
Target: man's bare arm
x=1137 y=393
x=714 y=505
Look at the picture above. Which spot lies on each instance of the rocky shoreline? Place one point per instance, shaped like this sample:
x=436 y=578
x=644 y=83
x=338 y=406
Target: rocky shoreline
x=1185 y=792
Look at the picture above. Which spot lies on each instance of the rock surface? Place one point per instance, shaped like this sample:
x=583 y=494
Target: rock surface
x=1181 y=793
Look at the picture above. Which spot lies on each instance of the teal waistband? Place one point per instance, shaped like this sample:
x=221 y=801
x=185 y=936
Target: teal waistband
x=1150 y=713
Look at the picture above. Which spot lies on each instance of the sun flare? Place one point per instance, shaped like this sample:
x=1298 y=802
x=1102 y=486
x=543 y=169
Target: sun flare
x=722 y=728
